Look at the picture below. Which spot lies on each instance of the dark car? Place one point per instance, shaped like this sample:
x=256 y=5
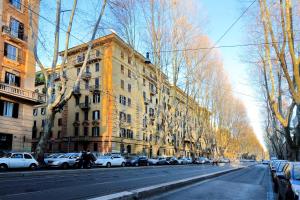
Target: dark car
x=137 y=161
x=274 y=167
x=289 y=181
x=278 y=172
x=172 y=160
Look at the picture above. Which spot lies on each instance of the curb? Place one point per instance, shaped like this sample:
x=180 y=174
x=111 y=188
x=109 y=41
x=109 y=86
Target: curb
x=150 y=191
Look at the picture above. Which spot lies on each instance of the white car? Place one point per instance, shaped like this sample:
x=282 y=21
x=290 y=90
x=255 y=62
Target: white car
x=52 y=156
x=18 y=160
x=108 y=161
x=66 y=161
x=182 y=161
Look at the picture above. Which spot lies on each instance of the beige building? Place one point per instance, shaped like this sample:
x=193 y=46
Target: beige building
x=119 y=106
x=17 y=75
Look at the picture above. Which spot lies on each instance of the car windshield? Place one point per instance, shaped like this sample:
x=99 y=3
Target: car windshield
x=104 y=157
x=297 y=171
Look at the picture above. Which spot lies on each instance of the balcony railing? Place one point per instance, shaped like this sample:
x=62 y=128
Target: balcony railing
x=7 y=31
x=95 y=88
x=21 y=93
x=85 y=106
x=92 y=57
x=86 y=75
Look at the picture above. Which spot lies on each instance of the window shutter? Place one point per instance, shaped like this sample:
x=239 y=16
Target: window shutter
x=21 y=31
x=17 y=81
x=5 y=49
x=15 y=110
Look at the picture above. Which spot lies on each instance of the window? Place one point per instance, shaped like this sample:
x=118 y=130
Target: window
x=77 y=116
x=76 y=131
x=87 y=85
x=144 y=70
x=122 y=54
x=122 y=69
x=151 y=112
x=129 y=133
x=86 y=131
x=16 y=3
x=17 y=156
x=78 y=70
x=87 y=69
x=9 y=109
x=97 y=67
x=95 y=131
x=122 y=132
x=97 y=82
x=129 y=102
x=35 y=112
x=144 y=82
x=96 y=98
x=10 y=51
x=128 y=118
x=129 y=87
x=96 y=114
x=129 y=60
x=16 y=28
x=129 y=73
x=77 y=101
x=122 y=100
x=122 y=84
x=122 y=117
x=144 y=95
x=59 y=122
x=58 y=134
x=95 y=146
x=43 y=111
x=43 y=122
x=86 y=115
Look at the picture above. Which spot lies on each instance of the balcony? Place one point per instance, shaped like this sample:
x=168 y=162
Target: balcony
x=76 y=123
x=150 y=76
x=95 y=88
x=92 y=58
x=153 y=91
x=86 y=75
x=96 y=122
x=146 y=101
x=85 y=106
x=76 y=91
x=86 y=123
x=7 y=32
x=22 y=94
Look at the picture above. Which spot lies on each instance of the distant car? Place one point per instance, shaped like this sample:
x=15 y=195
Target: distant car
x=265 y=162
x=18 y=160
x=182 y=161
x=224 y=160
x=189 y=160
x=153 y=161
x=162 y=161
x=139 y=161
x=68 y=160
x=202 y=160
x=52 y=156
x=109 y=161
x=289 y=182
x=172 y=160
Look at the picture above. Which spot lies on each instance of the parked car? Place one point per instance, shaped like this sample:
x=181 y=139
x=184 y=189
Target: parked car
x=278 y=172
x=52 y=156
x=265 y=162
x=172 y=160
x=162 y=161
x=139 y=161
x=66 y=161
x=153 y=161
x=289 y=182
x=18 y=160
x=201 y=160
x=274 y=167
x=109 y=161
x=224 y=160
x=182 y=161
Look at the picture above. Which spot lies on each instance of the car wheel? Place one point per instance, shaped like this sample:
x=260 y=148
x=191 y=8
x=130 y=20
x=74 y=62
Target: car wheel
x=3 y=167
x=123 y=164
x=136 y=164
x=33 y=166
x=65 y=166
x=108 y=165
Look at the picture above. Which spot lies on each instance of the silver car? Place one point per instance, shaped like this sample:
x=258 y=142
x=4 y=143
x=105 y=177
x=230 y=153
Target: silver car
x=66 y=161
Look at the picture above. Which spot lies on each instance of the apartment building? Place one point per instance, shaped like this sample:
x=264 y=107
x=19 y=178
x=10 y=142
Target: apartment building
x=17 y=74
x=115 y=107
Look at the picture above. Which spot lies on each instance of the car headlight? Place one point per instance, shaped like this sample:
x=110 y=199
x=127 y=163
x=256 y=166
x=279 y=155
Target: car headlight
x=56 y=162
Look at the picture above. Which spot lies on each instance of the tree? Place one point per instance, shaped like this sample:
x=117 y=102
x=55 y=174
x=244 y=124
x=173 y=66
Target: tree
x=56 y=104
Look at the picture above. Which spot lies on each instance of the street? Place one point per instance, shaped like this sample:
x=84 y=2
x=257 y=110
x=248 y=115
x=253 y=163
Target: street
x=249 y=183
x=96 y=182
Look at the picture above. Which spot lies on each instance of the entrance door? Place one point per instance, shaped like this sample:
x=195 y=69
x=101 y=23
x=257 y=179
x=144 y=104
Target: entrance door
x=5 y=141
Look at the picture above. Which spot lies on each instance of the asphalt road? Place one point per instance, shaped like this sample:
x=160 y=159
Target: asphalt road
x=96 y=182
x=249 y=183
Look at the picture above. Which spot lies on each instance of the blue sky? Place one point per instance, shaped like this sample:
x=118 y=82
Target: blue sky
x=221 y=16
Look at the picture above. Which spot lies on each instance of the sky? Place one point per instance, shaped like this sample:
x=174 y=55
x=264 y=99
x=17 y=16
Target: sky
x=220 y=16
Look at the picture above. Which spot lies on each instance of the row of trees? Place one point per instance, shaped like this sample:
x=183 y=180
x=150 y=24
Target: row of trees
x=175 y=41
x=276 y=60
